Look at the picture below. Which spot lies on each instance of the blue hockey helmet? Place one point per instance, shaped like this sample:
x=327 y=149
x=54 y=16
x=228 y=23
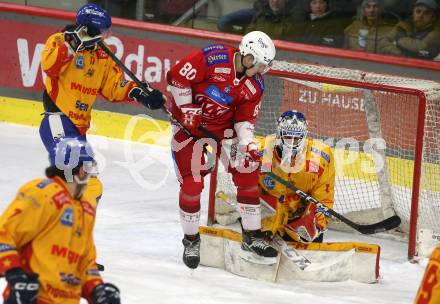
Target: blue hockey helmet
x=292 y=131
x=70 y=154
x=95 y=18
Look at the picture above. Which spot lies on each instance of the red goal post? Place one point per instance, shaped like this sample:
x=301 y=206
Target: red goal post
x=361 y=110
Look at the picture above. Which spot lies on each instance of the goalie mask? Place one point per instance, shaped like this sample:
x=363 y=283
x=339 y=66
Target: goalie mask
x=291 y=133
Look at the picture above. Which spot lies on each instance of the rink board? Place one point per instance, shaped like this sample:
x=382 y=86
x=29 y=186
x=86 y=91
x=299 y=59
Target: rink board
x=145 y=129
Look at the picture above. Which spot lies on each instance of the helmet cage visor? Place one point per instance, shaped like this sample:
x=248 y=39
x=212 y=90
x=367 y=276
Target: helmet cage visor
x=293 y=140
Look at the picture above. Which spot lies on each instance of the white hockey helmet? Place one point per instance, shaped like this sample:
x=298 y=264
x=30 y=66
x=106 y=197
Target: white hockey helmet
x=260 y=46
x=292 y=131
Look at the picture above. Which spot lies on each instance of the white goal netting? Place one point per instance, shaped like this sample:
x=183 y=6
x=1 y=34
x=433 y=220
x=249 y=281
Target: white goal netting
x=354 y=112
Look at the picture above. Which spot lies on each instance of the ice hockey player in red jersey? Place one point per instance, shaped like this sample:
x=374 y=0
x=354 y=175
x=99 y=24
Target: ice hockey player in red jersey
x=219 y=88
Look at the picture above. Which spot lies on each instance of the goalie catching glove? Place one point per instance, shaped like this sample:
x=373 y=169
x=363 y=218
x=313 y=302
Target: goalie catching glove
x=153 y=100
x=309 y=226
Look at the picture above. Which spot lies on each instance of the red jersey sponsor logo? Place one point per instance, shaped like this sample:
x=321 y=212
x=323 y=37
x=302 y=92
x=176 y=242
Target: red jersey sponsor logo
x=217 y=58
x=213 y=110
x=101 y=54
x=77 y=116
x=177 y=84
x=83 y=89
x=71 y=256
x=218 y=78
x=60 y=199
x=61 y=293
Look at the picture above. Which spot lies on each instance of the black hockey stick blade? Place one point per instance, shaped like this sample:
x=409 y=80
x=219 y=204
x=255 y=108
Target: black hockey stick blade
x=387 y=224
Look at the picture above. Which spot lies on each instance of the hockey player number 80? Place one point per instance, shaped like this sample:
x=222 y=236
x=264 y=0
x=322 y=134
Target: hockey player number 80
x=188 y=71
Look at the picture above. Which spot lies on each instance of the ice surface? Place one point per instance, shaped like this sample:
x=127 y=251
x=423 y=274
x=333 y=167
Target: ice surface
x=138 y=234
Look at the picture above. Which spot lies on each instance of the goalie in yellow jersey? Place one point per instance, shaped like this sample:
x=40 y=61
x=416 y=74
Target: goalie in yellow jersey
x=429 y=290
x=309 y=165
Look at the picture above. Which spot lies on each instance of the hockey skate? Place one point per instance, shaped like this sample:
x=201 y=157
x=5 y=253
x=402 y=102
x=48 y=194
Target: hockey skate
x=191 y=252
x=256 y=248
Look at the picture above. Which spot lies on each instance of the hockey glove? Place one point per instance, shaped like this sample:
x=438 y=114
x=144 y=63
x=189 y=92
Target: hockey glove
x=24 y=286
x=106 y=293
x=153 y=100
x=80 y=40
x=249 y=156
x=191 y=116
x=252 y=153
x=308 y=227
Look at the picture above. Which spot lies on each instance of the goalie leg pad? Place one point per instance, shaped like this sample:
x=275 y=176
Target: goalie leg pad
x=330 y=262
x=221 y=248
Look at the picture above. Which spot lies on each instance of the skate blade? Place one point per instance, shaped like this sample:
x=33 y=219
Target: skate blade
x=256 y=259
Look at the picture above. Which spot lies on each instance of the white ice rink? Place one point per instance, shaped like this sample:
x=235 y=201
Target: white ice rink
x=138 y=234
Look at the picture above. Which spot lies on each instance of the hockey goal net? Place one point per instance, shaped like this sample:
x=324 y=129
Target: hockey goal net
x=385 y=132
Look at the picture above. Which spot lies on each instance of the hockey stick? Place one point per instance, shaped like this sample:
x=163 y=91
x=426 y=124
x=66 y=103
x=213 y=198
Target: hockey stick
x=147 y=88
x=387 y=224
x=143 y=85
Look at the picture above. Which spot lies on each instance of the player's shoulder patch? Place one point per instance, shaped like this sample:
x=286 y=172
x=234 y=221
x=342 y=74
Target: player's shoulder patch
x=259 y=81
x=101 y=54
x=44 y=183
x=269 y=182
x=60 y=198
x=213 y=47
x=321 y=153
x=217 y=95
x=216 y=58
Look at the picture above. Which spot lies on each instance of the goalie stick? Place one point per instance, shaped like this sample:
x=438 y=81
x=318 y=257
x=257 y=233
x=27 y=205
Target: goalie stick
x=387 y=224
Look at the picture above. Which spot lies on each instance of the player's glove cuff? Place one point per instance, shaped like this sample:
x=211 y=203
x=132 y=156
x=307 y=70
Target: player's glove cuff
x=152 y=100
x=106 y=293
